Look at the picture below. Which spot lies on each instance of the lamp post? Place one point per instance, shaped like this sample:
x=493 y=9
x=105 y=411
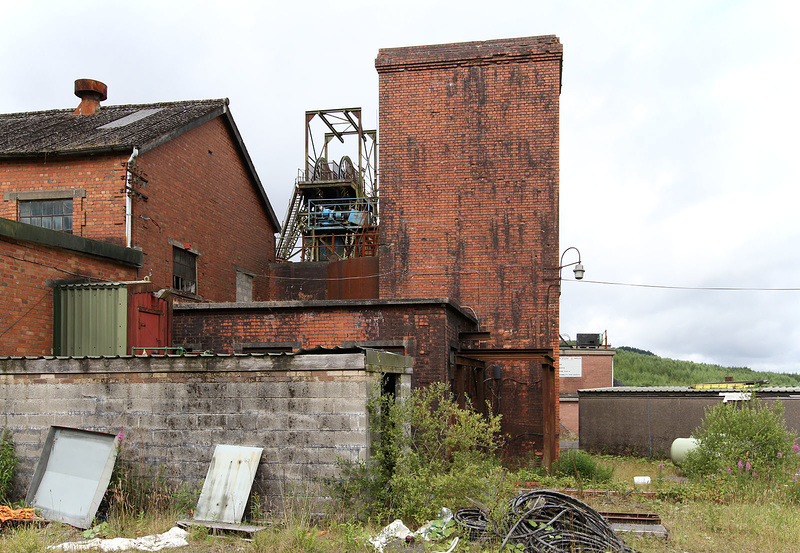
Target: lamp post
x=578 y=270
x=550 y=388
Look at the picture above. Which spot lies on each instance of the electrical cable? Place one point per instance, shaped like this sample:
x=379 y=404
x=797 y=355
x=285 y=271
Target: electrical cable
x=545 y=521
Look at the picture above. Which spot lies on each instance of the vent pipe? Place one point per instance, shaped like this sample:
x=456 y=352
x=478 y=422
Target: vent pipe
x=91 y=93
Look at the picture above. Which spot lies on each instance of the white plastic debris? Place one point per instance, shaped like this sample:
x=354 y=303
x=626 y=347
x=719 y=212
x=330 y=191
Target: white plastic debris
x=395 y=530
x=641 y=480
x=175 y=537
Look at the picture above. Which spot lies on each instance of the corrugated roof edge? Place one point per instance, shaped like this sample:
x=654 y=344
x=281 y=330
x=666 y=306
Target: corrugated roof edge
x=686 y=390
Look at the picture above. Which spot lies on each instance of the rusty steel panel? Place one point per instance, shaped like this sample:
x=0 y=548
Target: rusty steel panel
x=353 y=279
x=227 y=486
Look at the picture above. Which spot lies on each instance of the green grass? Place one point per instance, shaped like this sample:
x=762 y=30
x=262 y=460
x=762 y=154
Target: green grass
x=702 y=516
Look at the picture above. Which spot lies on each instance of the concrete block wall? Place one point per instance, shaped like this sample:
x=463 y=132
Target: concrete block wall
x=27 y=271
x=306 y=411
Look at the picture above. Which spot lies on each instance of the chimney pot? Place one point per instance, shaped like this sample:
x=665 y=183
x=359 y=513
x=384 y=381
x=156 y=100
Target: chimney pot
x=91 y=93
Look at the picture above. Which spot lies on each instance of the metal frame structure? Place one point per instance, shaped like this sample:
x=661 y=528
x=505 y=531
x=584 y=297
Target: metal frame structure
x=334 y=210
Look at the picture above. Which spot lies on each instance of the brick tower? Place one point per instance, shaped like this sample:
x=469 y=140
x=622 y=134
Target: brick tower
x=469 y=137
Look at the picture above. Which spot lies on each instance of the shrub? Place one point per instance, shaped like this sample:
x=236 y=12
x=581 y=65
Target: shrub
x=582 y=466
x=743 y=439
x=8 y=465
x=429 y=454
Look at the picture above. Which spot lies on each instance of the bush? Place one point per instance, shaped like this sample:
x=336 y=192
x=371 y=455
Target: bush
x=429 y=454
x=582 y=466
x=8 y=465
x=743 y=439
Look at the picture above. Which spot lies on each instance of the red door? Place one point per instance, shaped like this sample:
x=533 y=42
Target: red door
x=149 y=323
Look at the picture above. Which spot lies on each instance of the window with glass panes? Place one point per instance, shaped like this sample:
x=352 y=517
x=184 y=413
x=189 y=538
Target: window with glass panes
x=184 y=270
x=52 y=214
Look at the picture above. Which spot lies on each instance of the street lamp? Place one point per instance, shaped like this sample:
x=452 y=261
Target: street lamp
x=578 y=270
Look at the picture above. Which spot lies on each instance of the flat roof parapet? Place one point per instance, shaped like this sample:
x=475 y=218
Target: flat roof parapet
x=485 y=52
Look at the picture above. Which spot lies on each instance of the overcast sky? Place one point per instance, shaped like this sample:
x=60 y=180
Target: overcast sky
x=679 y=131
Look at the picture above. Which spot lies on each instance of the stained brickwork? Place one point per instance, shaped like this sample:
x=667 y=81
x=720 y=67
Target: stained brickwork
x=469 y=192
x=425 y=329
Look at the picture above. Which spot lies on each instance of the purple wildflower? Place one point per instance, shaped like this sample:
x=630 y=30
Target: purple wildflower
x=780 y=455
x=747 y=465
x=739 y=464
x=796 y=448
x=755 y=473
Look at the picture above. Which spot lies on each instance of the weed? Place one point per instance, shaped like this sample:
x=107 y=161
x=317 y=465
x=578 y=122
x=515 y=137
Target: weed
x=8 y=465
x=582 y=466
x=430 y=453
x=743 y=447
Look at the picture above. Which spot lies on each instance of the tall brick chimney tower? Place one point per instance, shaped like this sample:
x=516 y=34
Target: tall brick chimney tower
x=469 y=138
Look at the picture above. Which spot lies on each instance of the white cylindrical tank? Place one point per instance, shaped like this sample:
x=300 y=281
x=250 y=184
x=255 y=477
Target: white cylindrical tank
x=680 y=448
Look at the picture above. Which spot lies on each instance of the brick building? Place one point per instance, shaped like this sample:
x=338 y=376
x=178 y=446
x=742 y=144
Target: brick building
x=466 y=273
x=583 y=365
x=131 y=192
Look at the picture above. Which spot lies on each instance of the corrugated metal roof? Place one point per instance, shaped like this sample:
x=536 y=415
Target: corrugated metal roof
x=110 y=128
x=687 y=390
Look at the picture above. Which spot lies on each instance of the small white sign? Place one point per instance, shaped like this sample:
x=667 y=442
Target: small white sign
x=570 y=367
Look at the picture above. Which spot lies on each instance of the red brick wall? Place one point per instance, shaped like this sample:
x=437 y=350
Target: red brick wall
x=429 y=328
x=26 y=297
x=100 y=215
x=597 y=370
x=469 y=137
x=200 y=194
x=469 y=179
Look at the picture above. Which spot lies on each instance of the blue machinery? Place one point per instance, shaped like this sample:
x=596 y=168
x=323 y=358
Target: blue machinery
x=333 y=213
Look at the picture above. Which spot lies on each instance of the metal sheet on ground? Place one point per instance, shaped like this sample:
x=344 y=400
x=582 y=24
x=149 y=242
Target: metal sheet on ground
x=227 y=485
x=72 y=475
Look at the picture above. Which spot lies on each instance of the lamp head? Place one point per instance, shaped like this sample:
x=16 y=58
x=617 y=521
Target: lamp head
x=579 y=271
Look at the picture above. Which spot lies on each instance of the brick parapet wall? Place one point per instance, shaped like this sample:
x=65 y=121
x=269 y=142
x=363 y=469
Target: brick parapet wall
x=305 y=411
x=425 y=329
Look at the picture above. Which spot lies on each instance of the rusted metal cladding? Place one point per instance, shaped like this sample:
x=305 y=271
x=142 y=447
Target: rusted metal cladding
x=149 y=322
x=353 y=279
x=90 y=319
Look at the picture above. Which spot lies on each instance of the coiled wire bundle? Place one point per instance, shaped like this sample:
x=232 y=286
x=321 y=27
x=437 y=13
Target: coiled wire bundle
x=546 y=521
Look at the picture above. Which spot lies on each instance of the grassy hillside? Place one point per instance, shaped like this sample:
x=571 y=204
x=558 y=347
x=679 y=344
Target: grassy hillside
x=634 y=367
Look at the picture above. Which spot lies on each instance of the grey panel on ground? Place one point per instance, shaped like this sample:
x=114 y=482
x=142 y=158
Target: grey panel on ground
x=72 y=475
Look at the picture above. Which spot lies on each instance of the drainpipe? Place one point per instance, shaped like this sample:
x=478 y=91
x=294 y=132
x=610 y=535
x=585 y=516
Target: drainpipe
x=128 y=199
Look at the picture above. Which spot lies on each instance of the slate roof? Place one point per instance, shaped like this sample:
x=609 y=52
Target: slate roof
x=110 y=128
x=114 y=129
